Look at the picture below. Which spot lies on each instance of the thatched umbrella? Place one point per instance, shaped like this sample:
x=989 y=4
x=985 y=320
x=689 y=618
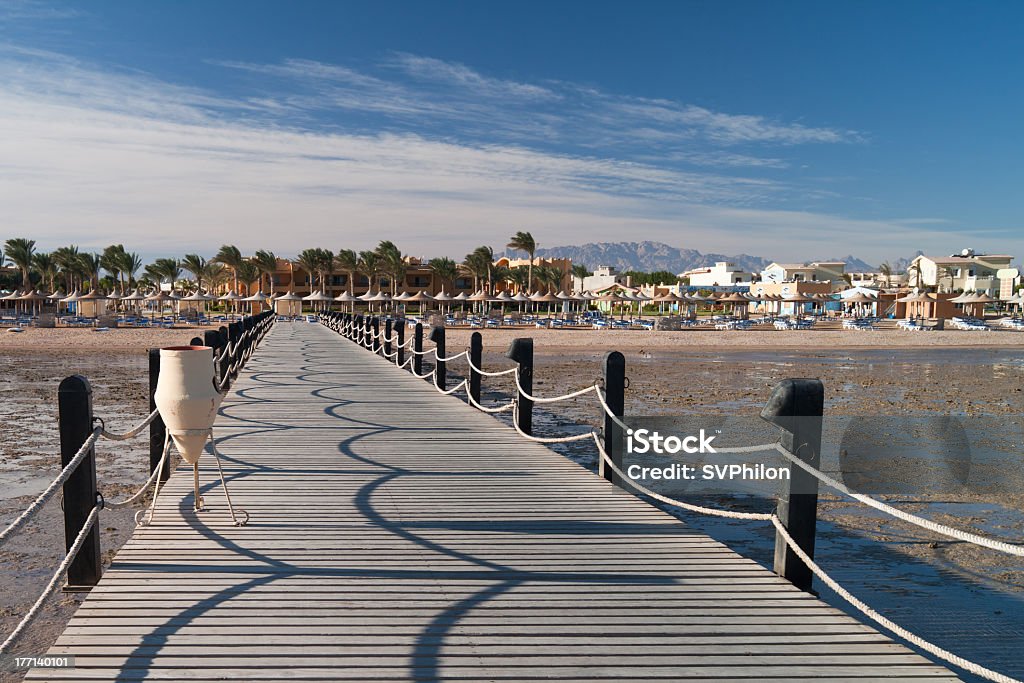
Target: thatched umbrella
x=420 y=297
x=347 y=298
x=860 y=299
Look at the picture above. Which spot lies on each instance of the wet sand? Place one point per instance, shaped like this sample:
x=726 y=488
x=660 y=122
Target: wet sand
x=116 y=367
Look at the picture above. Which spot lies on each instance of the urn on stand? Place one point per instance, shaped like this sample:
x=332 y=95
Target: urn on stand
x=188 y=399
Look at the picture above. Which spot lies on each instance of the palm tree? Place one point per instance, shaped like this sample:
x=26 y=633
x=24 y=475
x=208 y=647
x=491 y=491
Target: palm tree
x=348 y=261
x=445 y=270
x=112 y=260
x=485 y=256
x=391 y=263
x=216 y=274
x=130 y=264
x=369 y=265
x=524 y=242
x=474 y=265
x=19 y=251
x=90 y=265
x=248 y=273
x=66 y=259
x=266 y=263
x=309 y=261
x=230 y=256
x=47 y=268
x=886 y=271
x=197 y=265
x=164 y=269
x=549 y=276
x=519 y=277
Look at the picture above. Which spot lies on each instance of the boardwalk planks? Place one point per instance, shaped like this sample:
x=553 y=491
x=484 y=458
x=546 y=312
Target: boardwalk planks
x=399 y=535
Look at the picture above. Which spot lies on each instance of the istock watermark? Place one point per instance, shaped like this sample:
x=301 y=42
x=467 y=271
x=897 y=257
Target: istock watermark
x=647 y=441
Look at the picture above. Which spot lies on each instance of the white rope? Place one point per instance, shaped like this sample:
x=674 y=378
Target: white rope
x=606 y=459
x=1002 y=546
x=149 y=482
x=416 y=374
x=453 y=389
x=131 y=433
x=608 y=411
x=497 y=409
x=553 y=399
x=490 y=374
x=54 y=485
x=421 y=353
x=90 y=521
x=443 y=359
x=939 y=652
x=544 y=439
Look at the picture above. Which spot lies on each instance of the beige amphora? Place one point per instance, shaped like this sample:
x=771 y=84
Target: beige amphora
x=187 y=398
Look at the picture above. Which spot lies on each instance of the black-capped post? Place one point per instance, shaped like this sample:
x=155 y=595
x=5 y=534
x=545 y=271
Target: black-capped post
x=157 y=430
x=796 y=406
x=521 y=351
x=400 y=332
x=476 y=358
x=387 y=338
x=417 y=349
x=440 y=371
x=375 y=334
x=615 y=397
x=74 y=407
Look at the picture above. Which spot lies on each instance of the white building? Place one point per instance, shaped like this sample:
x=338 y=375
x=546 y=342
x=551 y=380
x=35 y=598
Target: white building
x=966 y=271
x=721 y=274
x=604 y=276
x=819 y=271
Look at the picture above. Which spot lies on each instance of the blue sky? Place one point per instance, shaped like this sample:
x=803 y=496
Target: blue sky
x=791 y=130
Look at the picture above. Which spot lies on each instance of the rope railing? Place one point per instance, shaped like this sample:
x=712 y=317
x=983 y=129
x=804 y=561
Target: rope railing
x=80 y=420
x=65 y=473
x=606 y=461
x=69 y=557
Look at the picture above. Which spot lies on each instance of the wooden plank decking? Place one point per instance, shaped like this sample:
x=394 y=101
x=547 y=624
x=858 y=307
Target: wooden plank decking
x=400 y=535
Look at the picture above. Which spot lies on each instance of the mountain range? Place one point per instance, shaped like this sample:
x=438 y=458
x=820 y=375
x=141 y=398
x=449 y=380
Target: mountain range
x=652 y=256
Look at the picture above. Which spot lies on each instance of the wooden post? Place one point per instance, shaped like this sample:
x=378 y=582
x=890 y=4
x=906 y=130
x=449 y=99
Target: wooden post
x=367 y=329
x=157 y=430
x=375 y=337
x=521 y=351
x=400 y=329
x=796 y=406
x=615 y=397
x=387 y=338
x=417 y=347
x=74 y=405
x=476 y=354
x=440 y=371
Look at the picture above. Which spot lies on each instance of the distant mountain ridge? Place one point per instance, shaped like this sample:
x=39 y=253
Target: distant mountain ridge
x=643 y=256
x=650 y=256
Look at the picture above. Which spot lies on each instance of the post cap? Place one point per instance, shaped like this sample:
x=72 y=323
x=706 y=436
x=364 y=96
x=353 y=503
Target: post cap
x=520 y=349
x=799 y=397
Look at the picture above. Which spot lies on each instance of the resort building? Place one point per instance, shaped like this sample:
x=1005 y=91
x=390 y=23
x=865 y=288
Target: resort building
x=967 y=272
x=722 y=274
x=563 y=265
x=419 y=276
x=818 y=271
x=877 y=279
x=603 y=278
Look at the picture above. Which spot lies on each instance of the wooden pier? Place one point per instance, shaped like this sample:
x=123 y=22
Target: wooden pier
x=400 y=535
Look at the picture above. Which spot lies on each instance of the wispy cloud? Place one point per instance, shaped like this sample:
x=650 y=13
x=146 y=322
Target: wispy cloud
x=95 y=156
x=425 y=92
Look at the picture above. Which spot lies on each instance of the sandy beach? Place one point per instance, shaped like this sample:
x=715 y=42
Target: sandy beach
x=741 y=339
